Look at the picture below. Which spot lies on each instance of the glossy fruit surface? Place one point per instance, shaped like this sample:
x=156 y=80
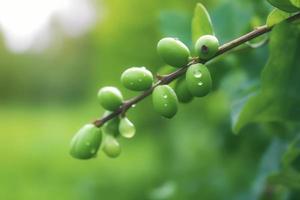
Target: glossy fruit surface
x=207 y=46
x=182 y=92
x=126 y=128
x=173 y=52
x=110 y=98
x=165 y=101
x=111 y=127
x=198 y=80
x=86 y=142
x=111 y=147
x=137 y=78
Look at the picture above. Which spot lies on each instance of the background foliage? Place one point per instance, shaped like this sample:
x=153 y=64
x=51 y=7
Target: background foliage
x=45 y=97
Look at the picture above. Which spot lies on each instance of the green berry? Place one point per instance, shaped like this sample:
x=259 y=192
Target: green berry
x=182 y=92
x=126 y=128
x=207 y=46
x=198 y=80
x=111 y=147
x=165 y=70
x=173 y=52
x=137 y=78
x=86 y=142
x=110 y=98
x=111 y=127
x=165 y=101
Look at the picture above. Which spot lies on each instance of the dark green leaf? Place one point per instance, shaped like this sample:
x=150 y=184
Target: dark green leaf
x=279 y=97
x=285 y=5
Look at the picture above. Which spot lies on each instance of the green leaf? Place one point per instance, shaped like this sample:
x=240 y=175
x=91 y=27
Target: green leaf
x=287 y=177
x=201 y=23
x=279 y=97
x=295 y=3
x=286 y=5
x=292 y=155
x=276 y=16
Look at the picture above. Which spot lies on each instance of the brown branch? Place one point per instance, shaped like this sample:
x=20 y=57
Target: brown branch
x=170 y=77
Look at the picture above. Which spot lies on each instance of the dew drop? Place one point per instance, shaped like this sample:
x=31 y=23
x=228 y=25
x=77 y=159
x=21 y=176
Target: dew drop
x=200 y=83
x=165 y=96
x=126 y=128
x=197 y=74
x=133 y=105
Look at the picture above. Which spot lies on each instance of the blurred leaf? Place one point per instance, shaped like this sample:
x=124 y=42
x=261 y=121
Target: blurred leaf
x=287 y=177
x=201 y=23
x=280 y=81
x=292 y=155
x=231 y=18
x=286 y=5
x=276 y=16
x=270 y=162
x=295 y=3
x=176 y=24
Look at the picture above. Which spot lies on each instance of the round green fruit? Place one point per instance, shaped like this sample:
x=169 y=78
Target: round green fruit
x=111 y=147
x=110 y=98
x=182 y=92
x=86 y=142
x=207 y=46
x=137 y=78
x=285 y=5
x=126 y=128
x=111 y=127
x=165 y=101
x=198 y=80
x=173 y=52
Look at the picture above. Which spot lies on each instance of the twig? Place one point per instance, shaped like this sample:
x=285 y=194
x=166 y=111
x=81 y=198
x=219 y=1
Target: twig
x=170 y=77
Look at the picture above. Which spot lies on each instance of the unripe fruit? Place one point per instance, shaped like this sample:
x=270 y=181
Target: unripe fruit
x=110 y=98
x=198 y=80
x=207 y=46
x=86 y=142
x=126 y=128
x=137 y=78
x=111 y=147
x=182 y=92
x=173 y=52
x=165 y=70
x=165 y=101
x=111 y=127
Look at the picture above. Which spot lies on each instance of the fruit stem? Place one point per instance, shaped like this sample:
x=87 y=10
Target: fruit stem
x=258 y=31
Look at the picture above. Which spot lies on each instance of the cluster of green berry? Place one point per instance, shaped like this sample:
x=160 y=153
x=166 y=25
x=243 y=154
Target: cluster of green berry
x=197 y=82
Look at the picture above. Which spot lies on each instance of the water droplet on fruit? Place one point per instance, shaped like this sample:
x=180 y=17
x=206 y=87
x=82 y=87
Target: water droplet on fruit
x=200 y=83
x=197 y=74
x=165 y=96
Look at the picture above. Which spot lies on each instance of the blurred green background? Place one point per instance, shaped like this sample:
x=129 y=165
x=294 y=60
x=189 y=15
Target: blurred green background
x=48 y=91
